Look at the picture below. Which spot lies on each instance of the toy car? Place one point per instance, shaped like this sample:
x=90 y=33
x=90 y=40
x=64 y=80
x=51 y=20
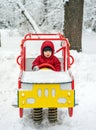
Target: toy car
x=45 y=88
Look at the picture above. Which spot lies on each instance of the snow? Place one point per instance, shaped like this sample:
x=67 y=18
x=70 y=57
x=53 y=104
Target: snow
x=46 y=76
x=84 y=68
x=89 y=41
x=84 y=71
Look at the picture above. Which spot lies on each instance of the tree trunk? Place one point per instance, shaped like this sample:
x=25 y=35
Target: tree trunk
x=73 y=23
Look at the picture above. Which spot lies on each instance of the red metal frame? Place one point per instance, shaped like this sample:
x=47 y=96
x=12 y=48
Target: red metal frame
x=19 y=80
x=70 y=110
x=21 y=112
x=65 y=49
x=21 y=59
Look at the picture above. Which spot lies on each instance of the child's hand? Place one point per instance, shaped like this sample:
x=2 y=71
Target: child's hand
x=35 y=68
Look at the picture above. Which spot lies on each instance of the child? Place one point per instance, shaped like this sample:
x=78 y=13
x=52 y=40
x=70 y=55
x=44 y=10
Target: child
x=47 y=56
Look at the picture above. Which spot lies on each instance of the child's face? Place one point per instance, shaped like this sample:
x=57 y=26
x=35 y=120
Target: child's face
x=47 y=54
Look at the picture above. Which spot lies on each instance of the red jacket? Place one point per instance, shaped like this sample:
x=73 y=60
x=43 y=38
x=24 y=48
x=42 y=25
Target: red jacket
x=53 y=60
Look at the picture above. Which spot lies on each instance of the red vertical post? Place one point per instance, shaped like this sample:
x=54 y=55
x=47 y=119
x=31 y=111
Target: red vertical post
x=64 y=55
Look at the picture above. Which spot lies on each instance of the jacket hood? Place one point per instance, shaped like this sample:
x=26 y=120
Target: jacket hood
x=47 y=44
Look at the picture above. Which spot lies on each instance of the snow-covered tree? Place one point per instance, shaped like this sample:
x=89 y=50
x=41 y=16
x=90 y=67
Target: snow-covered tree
x=48 y=15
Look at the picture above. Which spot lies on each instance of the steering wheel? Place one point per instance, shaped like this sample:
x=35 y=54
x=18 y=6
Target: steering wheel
x=46 y=65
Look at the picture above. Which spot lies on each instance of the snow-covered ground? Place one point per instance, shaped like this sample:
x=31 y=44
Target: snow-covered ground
x=84 y=71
